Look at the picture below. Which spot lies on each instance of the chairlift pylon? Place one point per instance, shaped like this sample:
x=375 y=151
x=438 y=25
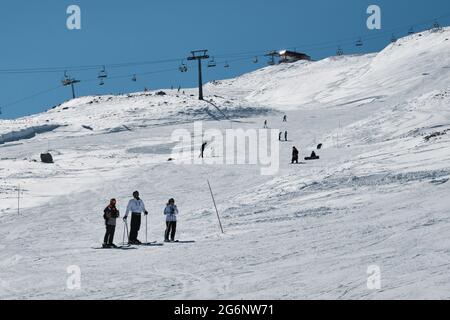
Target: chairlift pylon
x=436 y=26
x=393 y=38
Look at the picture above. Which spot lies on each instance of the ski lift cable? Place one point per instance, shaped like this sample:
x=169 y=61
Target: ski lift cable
x=127 y=76
x=243 y=55
x=8 y=105
x=377 y=35
x=322 y=45
x=83 y=68
x=5 y=106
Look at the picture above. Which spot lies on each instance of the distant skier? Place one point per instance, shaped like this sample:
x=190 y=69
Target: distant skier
x=110 y=215
x=171 y=212
x=280 y=135
x=285 y=118
x=136 y=207
x=285 y=136
x=265 y=124
x=203 y=148
x=295 y=154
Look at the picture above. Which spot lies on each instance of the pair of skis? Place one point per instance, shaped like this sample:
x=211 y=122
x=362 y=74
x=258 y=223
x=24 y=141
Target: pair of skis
x=148 y=244
x=125 y=230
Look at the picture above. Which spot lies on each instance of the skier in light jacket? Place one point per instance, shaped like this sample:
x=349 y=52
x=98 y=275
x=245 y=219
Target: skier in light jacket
x=136 y=206
x=171 y=212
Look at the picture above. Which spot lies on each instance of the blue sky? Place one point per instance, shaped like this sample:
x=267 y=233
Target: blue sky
x=34 y=35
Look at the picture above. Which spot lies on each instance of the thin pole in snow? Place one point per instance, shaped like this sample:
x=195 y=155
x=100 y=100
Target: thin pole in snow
x=18 y=199
x=124 y=230
x=215 y=206
x=337 y=135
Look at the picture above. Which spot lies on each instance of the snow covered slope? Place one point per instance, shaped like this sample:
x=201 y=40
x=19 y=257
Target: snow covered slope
x=415 y=64
x=377 y=197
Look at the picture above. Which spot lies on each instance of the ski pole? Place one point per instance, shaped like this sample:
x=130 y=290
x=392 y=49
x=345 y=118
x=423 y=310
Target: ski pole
x=128 y=234
x=146 y=227
x=124 y=230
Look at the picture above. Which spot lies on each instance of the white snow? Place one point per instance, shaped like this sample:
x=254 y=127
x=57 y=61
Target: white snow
x=378 y=195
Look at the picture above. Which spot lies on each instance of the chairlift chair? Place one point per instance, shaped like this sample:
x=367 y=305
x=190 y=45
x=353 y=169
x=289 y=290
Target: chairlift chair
x=256 y=60
x=212 y=63
x=102 y=74
x=134 y=79
x=66 y=79
x=339 y=52
x=102 y=82
x=359 y=43
x=226 y=65
x=183 y=68
x=411 y=31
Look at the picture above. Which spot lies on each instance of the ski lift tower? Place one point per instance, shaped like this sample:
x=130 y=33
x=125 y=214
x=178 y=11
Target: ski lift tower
x=272 y=55
x=68 y=81
x=199 y=55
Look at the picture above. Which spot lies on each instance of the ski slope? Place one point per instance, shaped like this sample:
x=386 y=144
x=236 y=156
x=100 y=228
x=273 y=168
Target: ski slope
x=378 y=195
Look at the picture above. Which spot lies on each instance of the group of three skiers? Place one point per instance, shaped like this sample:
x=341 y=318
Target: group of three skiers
x=137 y=207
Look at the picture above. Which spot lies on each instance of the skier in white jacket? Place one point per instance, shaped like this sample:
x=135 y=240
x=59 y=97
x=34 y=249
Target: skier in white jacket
x=171 y=212
x=136 y=206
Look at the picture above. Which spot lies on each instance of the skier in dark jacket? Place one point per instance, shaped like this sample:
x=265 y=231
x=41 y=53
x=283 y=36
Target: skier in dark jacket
x=110 y=214
x=294 y=155
x=171 y=212
x=202 y=151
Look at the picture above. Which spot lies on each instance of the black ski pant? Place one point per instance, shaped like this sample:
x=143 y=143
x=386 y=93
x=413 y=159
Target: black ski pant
x=109 y=236
x=171 y=230
x=135 y=226
x=294 y=160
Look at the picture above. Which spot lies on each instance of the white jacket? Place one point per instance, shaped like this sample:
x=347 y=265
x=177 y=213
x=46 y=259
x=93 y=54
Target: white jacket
x=135 y=206
x=171 y=212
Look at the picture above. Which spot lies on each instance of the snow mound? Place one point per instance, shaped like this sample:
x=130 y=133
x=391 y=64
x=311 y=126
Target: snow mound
x=26 y=133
